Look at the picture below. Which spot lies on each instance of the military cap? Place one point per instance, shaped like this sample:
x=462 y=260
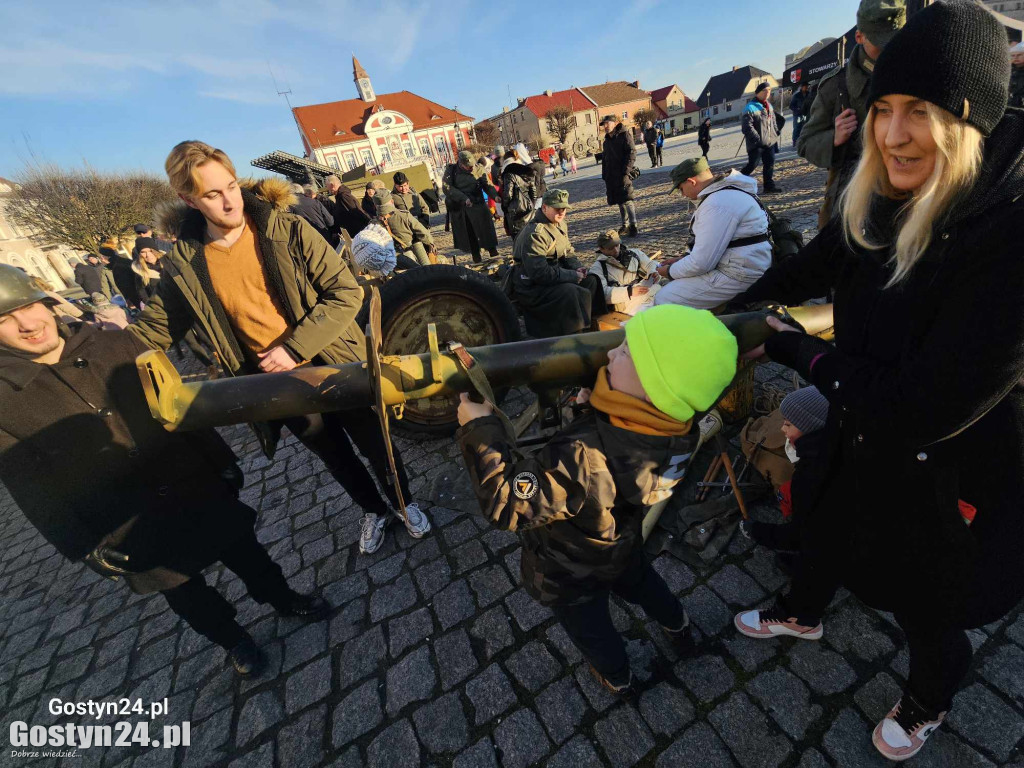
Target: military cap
x=880 y=20
x=609 y=119
x=400 y=178
x=609 y=237
x=692 y=166
x=466 y=157
x=557 y=198
x=385 y=207
x=382 y=196
x=17 y=289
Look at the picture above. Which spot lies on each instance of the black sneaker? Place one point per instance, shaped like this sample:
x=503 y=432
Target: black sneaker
x=625 y=690
x=246 y=658
x=622 y=229
x=772 y=189
x=682 y=639
x=633 y=231
x=312 y=606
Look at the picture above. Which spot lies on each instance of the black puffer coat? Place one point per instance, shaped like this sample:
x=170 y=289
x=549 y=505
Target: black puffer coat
x=926 y=385
x=617 y=161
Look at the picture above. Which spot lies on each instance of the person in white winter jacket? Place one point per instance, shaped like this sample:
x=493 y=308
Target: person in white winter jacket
x=730 y=248
x=620 y=271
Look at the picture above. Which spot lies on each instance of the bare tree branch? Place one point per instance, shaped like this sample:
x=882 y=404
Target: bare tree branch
x=81 y=207
x=560 y=121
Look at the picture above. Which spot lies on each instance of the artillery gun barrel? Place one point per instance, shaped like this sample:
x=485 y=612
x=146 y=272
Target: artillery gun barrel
x=539 y=363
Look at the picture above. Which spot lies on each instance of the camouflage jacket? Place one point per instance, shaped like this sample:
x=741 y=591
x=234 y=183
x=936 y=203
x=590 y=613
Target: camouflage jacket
x=577 y=503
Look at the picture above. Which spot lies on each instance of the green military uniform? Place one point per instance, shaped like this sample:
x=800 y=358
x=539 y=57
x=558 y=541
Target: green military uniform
x=472 y=226
x=577 y=503
x=545 y=281
x=411 y=238
x=846 y=88
x=412 y=203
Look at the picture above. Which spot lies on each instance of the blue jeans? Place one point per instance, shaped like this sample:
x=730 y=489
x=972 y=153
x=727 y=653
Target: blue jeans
x=766 y=156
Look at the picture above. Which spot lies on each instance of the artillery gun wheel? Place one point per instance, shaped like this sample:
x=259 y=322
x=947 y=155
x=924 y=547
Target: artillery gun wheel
x=464 y=305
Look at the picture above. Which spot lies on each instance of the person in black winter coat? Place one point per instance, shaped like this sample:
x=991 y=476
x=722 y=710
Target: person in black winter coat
x=761 y=128
x=540 y=185
x=103 y=482
x=347 y=213
x=121 y=270
x=651 y=140
x=920 y=511
x=313 y=211
x=93 y=278
x=704 y=136
x=618 y=159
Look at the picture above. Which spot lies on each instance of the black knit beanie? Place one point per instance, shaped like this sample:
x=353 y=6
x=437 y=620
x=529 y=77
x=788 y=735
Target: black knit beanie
x=953 y=54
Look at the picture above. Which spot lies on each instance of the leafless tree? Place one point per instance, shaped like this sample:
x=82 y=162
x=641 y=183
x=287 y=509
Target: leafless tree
x=641 y=116
x=560 y=121
x=487 y=134
x=81 y=207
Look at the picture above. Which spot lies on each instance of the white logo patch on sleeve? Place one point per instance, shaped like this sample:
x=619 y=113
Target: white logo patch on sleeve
x=525 y=485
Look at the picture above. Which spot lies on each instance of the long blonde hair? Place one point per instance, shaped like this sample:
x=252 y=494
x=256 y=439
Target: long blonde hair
x=957 y=167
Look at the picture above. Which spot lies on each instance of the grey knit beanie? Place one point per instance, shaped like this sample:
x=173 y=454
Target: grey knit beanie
x=806 y=409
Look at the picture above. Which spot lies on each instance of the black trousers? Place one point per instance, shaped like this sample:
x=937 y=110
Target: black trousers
x=652 y=150
x=940 y=654
x=704 y=147
x=589 y=623
x=331 y=435
x=206 y=610
x=766 y=156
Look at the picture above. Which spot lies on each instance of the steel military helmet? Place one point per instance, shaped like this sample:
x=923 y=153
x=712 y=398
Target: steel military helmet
x=17 y=289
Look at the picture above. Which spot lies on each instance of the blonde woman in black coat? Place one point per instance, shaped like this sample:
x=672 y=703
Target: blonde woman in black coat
x=926 y=426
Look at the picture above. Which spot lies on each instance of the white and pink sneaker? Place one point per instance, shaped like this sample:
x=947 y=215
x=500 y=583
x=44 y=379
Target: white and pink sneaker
x=768 y=624
x=903 y=732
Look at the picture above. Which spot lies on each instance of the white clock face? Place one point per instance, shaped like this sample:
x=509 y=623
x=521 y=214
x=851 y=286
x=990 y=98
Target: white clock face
x=386 y=120
x=365 y=84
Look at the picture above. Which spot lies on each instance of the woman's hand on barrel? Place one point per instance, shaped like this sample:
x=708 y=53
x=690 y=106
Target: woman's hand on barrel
x=776 y=325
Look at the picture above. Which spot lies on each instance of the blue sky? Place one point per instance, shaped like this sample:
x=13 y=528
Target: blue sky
x=117 y=84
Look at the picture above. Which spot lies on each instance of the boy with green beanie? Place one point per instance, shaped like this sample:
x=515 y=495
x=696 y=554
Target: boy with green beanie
x=578 y=503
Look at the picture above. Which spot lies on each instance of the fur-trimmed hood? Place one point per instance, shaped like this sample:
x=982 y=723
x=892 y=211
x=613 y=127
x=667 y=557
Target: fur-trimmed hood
x=173 y=217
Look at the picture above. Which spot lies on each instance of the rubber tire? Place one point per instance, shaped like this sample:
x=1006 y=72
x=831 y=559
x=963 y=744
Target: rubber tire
x=412 y=284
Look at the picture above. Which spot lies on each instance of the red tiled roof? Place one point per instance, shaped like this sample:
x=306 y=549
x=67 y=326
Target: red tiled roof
x=661 y=93
x=573 y=98
x=690 y=105
x=661 y=113
x=351 y=115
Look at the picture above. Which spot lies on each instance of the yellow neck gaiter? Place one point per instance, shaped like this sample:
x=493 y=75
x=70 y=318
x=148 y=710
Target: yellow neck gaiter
x=628 y=412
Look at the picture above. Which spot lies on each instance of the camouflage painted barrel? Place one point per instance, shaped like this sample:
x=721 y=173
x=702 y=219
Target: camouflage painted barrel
x=738 y=403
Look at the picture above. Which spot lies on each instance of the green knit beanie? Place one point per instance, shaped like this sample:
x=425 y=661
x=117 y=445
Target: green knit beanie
x=684 y=357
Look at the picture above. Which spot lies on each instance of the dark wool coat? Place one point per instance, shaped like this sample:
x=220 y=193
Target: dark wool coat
x=461 y=185
x=577 y=503
x=926 y=385
x=347 y=213
x=81 y=454
x=617 y=161
x=316 y=213
x=540 y=183
x=704 y=134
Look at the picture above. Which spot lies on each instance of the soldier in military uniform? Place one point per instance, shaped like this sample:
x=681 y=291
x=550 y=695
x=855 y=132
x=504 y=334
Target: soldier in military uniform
x=548 y=274
x=831 y=139
x=407 y=199
x=578 y=503
x=464 y=186
x=414 y=245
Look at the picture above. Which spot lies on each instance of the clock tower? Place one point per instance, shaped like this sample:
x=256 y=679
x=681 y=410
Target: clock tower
x=362 y=80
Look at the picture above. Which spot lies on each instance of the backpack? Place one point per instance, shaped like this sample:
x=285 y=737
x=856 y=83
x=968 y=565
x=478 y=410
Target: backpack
x=770 y=458
x=786 y=241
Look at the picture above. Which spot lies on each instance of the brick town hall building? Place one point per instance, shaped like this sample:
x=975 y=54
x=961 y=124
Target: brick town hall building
x=383 y=131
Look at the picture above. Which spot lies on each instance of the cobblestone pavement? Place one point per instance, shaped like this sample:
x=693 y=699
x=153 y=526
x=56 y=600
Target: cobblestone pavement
x=435 y=656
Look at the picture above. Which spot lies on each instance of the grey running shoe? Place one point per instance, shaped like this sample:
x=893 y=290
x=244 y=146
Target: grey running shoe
x=371 y=534
x=416 y=522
